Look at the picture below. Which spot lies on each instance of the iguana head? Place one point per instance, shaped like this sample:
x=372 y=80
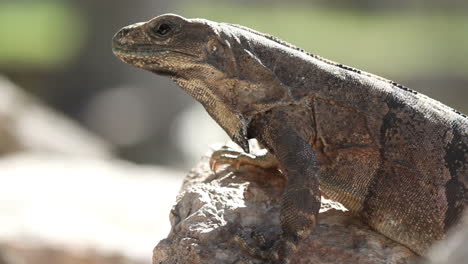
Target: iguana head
x=212 y=61
x=166 y=45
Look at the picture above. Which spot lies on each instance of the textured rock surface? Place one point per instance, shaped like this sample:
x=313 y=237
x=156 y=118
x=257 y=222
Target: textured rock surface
x=211 y=209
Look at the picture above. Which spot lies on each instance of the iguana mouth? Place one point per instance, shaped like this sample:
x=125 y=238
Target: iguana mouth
x=143 y=50
x=166 y=73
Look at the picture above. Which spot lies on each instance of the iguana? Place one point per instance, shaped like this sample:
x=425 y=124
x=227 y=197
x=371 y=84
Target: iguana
x=393 y=156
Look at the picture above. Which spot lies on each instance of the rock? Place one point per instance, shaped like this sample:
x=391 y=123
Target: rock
x=453 y=249
x=212 y=209
x=28 y=125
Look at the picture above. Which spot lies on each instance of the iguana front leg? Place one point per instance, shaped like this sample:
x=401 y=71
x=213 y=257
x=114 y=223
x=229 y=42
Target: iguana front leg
x=300 y=202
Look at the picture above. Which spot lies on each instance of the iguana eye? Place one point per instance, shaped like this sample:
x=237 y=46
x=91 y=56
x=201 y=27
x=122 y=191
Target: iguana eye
x=162 y=29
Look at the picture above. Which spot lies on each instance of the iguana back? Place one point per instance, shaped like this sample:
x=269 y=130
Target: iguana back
x=393 y=155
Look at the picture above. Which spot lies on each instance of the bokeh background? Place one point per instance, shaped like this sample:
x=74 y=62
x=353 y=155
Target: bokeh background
x=60 y=52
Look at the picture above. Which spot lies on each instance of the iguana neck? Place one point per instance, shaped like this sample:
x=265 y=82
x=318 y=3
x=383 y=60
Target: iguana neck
x=234 y=124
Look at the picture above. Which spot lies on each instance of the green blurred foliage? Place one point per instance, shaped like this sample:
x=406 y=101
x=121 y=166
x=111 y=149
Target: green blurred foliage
x=37 y=34
x=397 y=43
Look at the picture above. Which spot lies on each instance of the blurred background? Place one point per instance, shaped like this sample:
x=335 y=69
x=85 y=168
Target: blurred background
x=88 y=104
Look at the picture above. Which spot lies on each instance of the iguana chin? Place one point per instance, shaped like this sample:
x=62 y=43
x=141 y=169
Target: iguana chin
x=391 y=155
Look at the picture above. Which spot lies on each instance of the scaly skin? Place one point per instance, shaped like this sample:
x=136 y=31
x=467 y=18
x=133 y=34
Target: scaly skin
x=391 y=155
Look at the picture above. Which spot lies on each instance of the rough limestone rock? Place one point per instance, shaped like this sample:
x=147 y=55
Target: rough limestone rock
x=211 y=209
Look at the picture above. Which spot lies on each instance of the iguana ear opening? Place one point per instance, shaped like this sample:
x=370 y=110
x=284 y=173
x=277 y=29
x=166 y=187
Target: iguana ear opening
x=214 y=47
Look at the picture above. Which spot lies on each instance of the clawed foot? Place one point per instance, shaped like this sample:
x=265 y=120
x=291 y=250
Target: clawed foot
x=228 y=156
x=274 y=252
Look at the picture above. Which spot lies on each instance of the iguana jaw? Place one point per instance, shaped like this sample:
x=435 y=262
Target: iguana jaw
x=148 y=58
x=151 y=59
x=143 y=51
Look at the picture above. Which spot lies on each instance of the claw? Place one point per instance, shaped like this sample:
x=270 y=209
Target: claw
x=226 y=154
x=260 y=239
x=214 y=164
x=235 y=158
x=252 y=250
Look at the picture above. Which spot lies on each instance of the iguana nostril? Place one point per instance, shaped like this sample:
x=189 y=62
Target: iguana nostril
x=123 y=32
x=120 y=37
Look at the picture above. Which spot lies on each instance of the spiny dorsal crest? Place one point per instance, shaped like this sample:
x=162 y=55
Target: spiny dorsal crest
x=345 y=67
